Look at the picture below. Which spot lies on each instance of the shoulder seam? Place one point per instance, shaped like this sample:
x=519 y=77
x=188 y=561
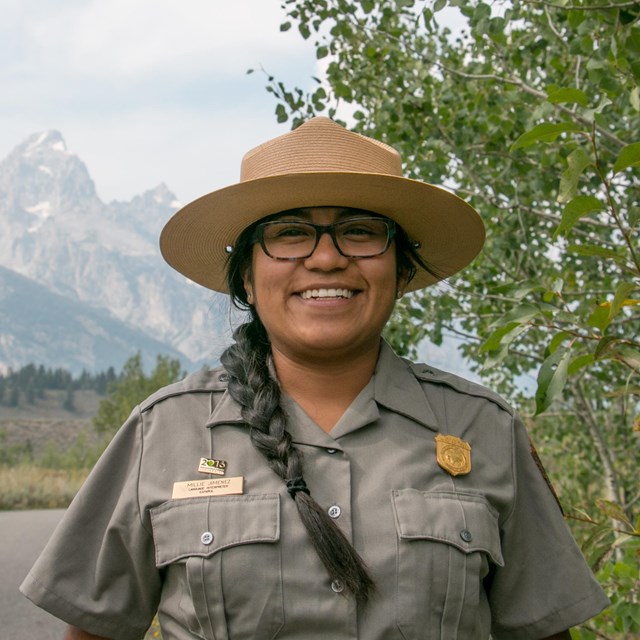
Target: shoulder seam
x=156 y=398
x=425 y=373
x=211 y=381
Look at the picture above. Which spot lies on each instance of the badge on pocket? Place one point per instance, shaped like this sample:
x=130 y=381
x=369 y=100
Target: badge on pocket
x=453 y=454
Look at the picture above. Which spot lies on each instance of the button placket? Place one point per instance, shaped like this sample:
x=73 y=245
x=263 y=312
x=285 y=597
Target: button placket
x=336 y=472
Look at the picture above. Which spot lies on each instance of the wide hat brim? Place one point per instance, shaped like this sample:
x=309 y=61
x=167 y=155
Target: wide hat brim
x=450 y=232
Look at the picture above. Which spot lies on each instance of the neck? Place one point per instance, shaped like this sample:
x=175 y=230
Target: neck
x=325 y=389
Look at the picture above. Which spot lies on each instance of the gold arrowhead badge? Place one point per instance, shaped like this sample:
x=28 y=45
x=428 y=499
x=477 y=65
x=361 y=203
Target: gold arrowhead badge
x=453 y=454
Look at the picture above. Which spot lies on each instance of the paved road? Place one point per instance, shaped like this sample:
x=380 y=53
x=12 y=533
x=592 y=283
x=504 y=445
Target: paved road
x=23 y=534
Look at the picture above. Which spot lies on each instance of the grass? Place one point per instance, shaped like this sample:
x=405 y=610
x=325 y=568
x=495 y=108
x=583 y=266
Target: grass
x=29 y=486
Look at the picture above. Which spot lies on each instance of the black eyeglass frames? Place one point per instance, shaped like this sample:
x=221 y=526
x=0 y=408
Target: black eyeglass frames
x=362 y=237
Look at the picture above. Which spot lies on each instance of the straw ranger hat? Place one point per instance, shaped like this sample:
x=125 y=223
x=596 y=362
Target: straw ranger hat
x=321 y=164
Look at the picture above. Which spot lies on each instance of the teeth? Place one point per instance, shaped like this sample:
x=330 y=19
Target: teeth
x=326 y=293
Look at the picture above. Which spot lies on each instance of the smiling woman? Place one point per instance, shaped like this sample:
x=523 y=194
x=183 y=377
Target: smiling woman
x=316 y=485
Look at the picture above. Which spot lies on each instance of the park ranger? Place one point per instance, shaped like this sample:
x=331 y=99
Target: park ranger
x=316 y=485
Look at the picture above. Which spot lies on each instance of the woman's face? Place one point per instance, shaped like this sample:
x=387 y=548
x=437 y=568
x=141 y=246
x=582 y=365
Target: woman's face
x=326 y=305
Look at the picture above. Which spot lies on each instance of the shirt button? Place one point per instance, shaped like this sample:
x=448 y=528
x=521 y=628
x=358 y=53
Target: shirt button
x=465 y=534
x=337 y=586
x=334 y=511
x=332 y=451
x=206 y=537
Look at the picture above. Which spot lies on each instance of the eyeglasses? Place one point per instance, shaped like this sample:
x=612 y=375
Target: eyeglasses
x=364 y=237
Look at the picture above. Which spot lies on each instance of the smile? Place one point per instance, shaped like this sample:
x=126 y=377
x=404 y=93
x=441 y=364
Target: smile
x=326 y=293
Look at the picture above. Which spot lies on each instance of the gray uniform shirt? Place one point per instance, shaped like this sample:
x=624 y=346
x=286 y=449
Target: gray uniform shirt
x=452 y=556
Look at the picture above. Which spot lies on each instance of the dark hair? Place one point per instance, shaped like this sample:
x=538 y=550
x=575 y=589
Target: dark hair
x=258 y=393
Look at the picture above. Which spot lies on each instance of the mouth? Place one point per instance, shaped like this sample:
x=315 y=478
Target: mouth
x=324 y=294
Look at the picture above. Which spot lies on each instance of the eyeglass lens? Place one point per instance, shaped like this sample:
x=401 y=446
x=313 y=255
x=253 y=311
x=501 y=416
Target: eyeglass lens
x=354 y=238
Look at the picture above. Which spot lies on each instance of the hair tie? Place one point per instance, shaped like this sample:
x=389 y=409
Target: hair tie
x=295 y=485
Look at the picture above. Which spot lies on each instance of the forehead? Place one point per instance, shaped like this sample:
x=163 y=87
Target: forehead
x=321 y=215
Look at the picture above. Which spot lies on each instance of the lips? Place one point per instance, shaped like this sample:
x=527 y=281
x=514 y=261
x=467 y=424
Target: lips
x=320 y=294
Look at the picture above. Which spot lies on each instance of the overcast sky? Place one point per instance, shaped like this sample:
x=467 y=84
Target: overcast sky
x=147 y=91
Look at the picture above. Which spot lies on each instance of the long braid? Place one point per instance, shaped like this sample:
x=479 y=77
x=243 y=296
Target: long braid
x=255 y=390
x=258 y=394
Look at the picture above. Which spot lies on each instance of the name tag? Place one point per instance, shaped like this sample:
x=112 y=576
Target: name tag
x=214 y=487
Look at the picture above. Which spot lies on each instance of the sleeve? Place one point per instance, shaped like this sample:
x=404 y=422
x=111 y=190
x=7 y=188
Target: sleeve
x=98 y=570
x=545 y=585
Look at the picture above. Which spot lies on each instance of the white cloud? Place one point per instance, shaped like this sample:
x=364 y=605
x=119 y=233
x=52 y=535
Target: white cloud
x=192 y=153
x=147 y=91
x=129 y=37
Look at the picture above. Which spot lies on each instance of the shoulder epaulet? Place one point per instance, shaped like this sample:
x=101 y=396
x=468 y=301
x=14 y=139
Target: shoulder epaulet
x=427 y=373
x=203 y=381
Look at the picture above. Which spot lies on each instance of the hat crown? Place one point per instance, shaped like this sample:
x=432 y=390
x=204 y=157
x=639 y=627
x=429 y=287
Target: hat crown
x=320 y=145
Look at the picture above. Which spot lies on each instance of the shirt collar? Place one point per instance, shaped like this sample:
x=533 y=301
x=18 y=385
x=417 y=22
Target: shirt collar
x=397 y=389
x=226 y=411
x=393 y=386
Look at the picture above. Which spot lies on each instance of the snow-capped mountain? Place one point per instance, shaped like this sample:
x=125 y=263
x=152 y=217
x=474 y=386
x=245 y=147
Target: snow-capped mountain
x=58 y=233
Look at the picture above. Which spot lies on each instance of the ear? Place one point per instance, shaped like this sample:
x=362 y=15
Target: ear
x=402 y=282
x=248 y=285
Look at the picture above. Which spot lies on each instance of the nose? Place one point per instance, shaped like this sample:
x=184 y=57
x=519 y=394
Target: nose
x=326 y=255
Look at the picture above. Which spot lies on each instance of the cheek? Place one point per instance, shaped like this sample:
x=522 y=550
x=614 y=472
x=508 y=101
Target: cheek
x=268 y=278
x=387 y=277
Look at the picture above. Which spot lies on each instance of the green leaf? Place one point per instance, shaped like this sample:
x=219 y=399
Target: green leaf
x=604 y=345
x=580 y=363
x=623 y=290
x=558 y=285
x=561 y=96
x=628 y=157
x=552 y=378
x=439 y=5
x=281 y=113
x=322 y=52
x=520 y=314
x=368 y=5
x=634 y=98
x=576 y=209
x=517 y=290
x=545 y=132
x=557 y=340
x=503 y=336
x=555 y=290
x=495 y=358
x=285 y=26
x=599 y=317
x=577 y=161
x=613 y=510
x=593 y=251
x=629 y=356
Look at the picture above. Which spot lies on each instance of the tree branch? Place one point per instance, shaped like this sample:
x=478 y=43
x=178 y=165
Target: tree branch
x=612 y=5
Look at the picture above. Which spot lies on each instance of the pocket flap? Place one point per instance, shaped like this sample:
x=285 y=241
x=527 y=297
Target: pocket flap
x=203 y=526
x=464 y=520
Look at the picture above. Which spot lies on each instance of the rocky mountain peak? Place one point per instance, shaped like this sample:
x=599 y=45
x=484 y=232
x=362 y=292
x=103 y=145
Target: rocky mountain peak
x=43 y=143
x=42 y=175
x=58 y=233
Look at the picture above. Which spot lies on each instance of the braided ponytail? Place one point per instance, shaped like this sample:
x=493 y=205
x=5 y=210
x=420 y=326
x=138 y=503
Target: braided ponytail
x=258 y=394
x=254 y=389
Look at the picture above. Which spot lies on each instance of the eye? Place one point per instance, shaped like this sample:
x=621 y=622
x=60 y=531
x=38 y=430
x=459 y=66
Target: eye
x=363 y=229
x=288 y=230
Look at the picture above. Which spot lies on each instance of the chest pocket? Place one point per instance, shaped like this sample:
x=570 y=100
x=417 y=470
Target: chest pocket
x=222 y=562
x=446 y=542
